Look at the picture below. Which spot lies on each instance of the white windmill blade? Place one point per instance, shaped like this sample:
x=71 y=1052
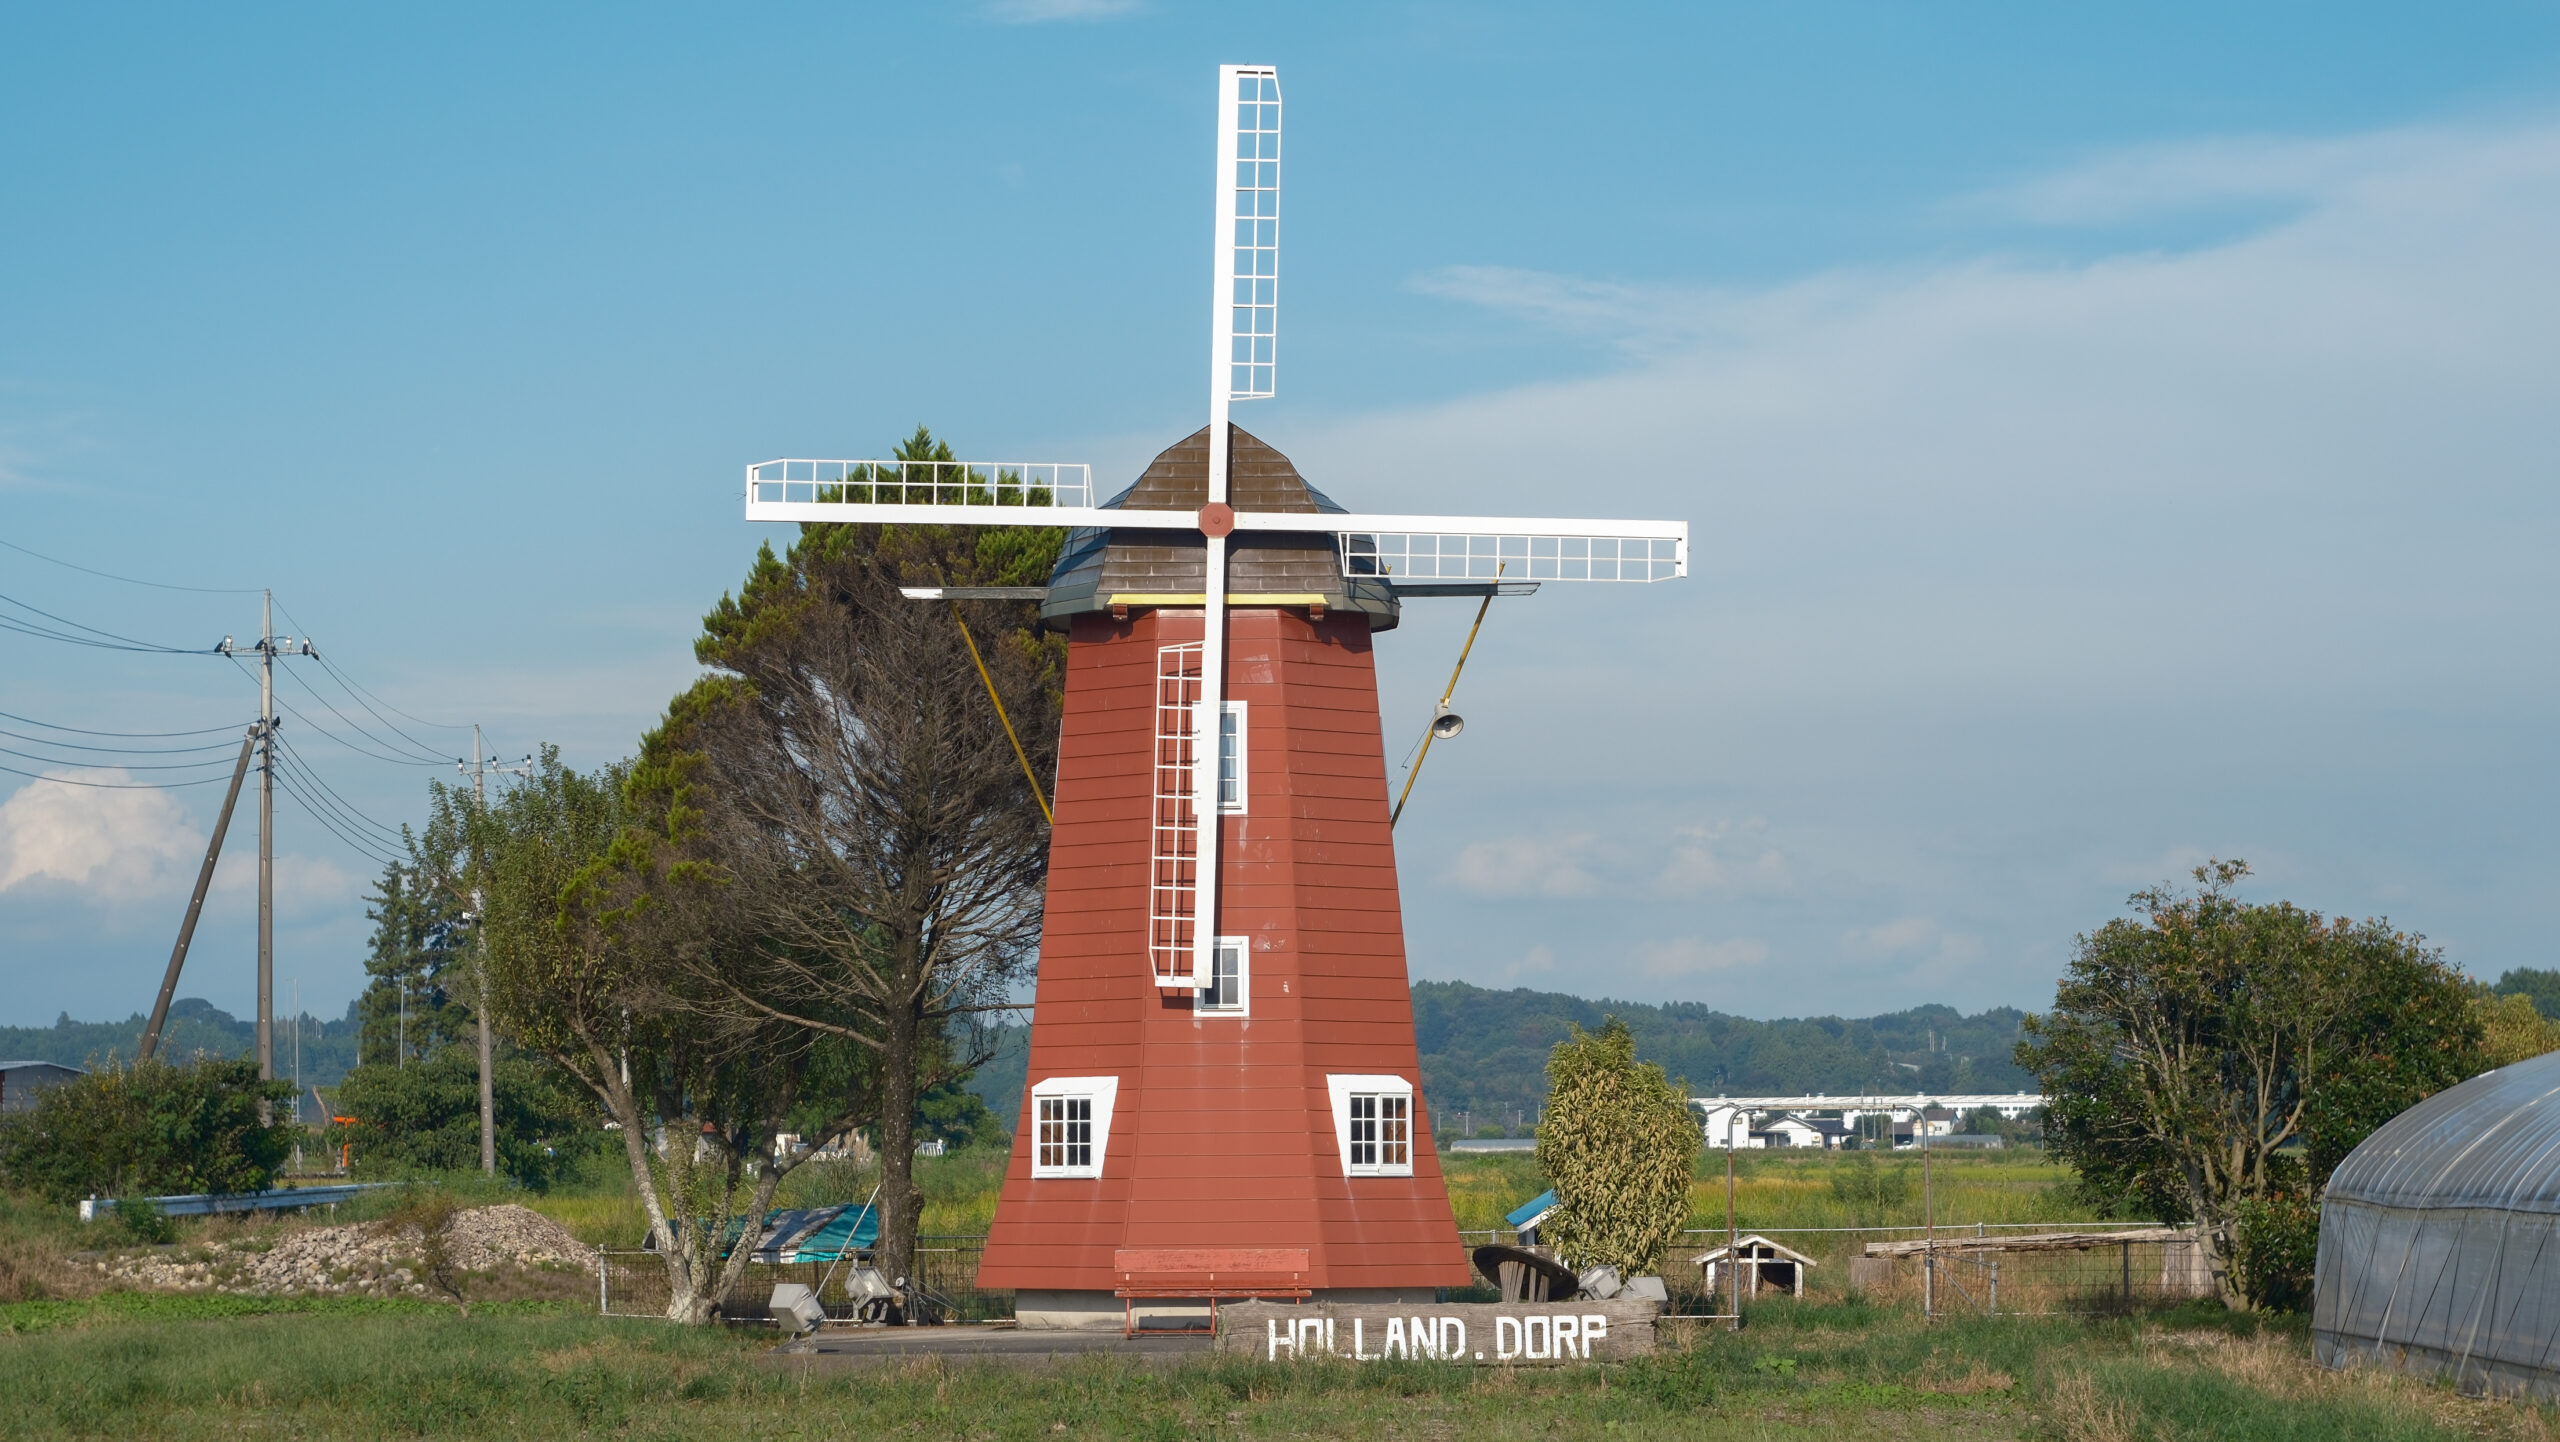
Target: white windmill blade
x=1478 y=548
x=1243 y=357
x=979 y=493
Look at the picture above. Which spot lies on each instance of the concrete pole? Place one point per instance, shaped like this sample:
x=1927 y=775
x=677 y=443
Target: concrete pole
x=480 y=951
x=267 y=841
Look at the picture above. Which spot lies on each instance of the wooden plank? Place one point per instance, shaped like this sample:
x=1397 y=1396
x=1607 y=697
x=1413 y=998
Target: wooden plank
x=2039 y=1242
x=1459 y=1333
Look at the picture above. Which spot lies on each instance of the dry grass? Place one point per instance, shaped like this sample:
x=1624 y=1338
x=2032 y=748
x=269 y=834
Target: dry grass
x=2281 y=1367
x=2082 y=1415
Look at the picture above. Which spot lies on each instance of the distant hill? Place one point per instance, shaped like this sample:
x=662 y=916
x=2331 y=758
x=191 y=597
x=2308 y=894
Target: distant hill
x=1484 y=1053
x=195 y=1025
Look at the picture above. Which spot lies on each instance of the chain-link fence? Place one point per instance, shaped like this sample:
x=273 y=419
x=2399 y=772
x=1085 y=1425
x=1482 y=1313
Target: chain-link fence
x=634 y=1283
x=1976 y=1267
x=1979 y=1268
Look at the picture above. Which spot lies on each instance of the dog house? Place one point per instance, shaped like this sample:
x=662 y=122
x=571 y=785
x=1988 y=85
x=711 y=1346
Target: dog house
x=1762 y=1262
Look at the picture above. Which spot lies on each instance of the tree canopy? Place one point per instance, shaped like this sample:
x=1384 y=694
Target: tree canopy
x=153 y=1128
x=1617 y=1144
x=2210 y=1054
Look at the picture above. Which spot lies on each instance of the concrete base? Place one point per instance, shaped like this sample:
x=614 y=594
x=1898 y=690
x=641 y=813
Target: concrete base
x=1080 y=1311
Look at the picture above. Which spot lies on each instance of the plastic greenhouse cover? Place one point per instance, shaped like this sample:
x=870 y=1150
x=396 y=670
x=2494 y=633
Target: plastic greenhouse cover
x=2440 y=1237
x=2490 y=1142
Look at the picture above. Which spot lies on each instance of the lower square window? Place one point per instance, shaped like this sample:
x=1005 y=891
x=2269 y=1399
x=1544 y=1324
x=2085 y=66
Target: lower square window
x=1373 y=1121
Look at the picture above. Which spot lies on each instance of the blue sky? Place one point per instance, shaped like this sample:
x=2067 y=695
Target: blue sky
x=2111 y=439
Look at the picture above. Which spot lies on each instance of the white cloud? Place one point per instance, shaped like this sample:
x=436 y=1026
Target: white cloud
x=111 y=846
x=1519 y=866
x=1912 y=937
x=1682 y=958
x=2151 y=181
x=1042 y=12
x=1724 y=856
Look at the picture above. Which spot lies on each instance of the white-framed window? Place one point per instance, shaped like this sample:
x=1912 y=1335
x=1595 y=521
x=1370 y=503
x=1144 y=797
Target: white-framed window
x=1071 y=1125
x=1373 y=1123
x=1231 y=757
x=1227 y=990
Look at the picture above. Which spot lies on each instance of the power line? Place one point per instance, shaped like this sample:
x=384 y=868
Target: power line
x=354 y=841
x=358 y=727
x=131 y=581
x=319 y=730
x=129 y=643
x=112 y=785
x=8 y=624
x=223 y=746
x=308 y=773
x=350 y=683
x=130 y=735
x=119 y=766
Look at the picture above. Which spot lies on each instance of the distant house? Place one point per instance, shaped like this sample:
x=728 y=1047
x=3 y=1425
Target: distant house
x=1800 y=1132
x=21 y=1081
x=1728 y=1127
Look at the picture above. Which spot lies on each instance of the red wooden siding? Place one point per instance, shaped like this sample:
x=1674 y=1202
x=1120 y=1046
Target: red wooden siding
x=1222 y=1135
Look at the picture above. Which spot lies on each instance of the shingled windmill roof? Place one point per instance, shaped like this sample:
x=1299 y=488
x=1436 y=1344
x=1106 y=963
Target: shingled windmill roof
x=1098 y=564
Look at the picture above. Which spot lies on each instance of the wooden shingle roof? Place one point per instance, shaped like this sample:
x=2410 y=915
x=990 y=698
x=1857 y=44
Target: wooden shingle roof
x=1097 y=565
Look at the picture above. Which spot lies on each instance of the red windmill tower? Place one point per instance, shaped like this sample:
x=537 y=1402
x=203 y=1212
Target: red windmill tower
x=1223 y=1096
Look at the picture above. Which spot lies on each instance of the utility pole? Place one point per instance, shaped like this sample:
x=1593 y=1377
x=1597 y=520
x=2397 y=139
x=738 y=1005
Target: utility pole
x=479 y=771
x=270 y=646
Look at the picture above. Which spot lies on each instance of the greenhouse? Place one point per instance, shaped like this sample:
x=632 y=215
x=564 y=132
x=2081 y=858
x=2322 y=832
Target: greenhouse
x=2440 y=1239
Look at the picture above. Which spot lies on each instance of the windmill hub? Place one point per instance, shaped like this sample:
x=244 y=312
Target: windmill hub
x=1217 y=519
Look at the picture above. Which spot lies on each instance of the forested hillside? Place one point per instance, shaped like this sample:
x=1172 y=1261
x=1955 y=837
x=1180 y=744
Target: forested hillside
x=195 y=1025
x=1484 y=1053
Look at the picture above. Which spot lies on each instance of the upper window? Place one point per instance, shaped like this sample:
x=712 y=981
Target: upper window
x=1071 y=1125
x=1231 y=759
x=1226 y=992
x=1373 y=1123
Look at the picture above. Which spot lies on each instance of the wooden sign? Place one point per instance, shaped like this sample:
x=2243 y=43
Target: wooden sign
x=1467 y=1333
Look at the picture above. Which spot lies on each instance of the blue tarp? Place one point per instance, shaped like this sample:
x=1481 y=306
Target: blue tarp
x=1528 y=1212
x=852 y=1229
x=817 y=1234
x=805 y=1234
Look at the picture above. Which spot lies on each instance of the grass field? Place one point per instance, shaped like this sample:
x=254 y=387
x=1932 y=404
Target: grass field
x=185 y=1368
x=1777 y=1190
x=78 y=1362
x=1772 y=1191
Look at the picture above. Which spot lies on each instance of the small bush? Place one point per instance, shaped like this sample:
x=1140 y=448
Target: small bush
x=1860 y=1182
x=425 y=1117
x=2275 y=1250
x=152 y=1128
x=141 y=1221
x=1618 y=1143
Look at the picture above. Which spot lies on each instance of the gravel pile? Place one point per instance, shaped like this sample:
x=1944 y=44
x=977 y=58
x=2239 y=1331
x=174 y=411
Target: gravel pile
x=363 y=1260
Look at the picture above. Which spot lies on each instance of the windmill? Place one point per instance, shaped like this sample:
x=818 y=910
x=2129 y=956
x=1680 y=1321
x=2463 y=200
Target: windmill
x=1221 y=588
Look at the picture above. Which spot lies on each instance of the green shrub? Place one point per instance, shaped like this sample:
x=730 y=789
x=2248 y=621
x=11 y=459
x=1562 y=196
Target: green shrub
x=141 y=1220
x=152 y=1128
x=2276 y=1246
x=1860 y=1182
x=1617 y=1143
x=425 y=1117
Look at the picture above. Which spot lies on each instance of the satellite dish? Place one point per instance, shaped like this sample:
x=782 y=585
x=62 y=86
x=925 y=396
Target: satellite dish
x=1447 y=723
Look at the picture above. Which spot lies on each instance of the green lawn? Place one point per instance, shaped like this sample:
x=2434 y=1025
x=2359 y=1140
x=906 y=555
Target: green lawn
x=133 y=1364
x=176 y=1368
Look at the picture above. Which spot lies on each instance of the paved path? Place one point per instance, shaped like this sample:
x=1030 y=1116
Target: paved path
x=853 y=1347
